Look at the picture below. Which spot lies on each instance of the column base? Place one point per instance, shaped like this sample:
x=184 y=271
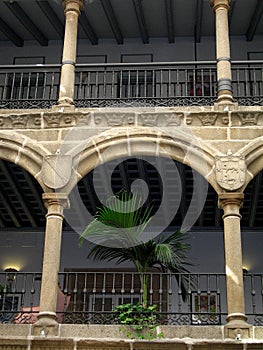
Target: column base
x=237 y=327
x=63 y=107
x=225 y=106
x=46 y=325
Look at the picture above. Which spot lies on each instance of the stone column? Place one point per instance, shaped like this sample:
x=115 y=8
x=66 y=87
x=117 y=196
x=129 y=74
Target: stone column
x=72 y=10
x=46 y=323
x=236 y=319
x=224 y=78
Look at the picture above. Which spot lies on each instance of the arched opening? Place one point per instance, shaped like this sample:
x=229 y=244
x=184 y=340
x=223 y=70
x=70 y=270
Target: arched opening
x=186 y=190
x=22 y=222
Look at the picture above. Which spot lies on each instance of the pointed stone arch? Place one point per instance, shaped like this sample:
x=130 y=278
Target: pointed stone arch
x=23 y=152
x=121 y=142
x=253 y=153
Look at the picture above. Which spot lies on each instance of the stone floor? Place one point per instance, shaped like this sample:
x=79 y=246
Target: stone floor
x=80 y=337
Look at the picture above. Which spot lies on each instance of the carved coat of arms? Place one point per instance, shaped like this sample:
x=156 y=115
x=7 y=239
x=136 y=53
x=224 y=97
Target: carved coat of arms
x=56 y=170
x=230 y=172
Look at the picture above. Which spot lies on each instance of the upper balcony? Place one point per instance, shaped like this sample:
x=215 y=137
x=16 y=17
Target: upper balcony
x=130 y=85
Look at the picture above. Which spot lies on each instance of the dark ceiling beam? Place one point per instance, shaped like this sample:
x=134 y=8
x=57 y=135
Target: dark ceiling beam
x=2 y=224
x=198 y=21
x=89 y=191
x=109 y=12
x=52 y=17
x=86 y=26
x=10 y=34
x=4 y=200
x=169 y=19
x=183 y=206
x=218 y=213
x=231 y=11
x=254 y=202
x=141 y=20
x=34 y=191
x=254 y=21
x=124 y=176
x=9 y=176
x=27 y=22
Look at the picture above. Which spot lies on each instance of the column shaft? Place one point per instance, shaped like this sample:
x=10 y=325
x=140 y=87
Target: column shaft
x=66 y=91
x=55 y=204
x=236 y=319
x=224 y=77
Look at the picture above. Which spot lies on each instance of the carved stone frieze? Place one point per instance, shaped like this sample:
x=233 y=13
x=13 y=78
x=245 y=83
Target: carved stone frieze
x=247 y=118
x=160 y=119
x=43 y=120
x=230 y=171
x=207 y=119
x=114 y=119
x=18 y=121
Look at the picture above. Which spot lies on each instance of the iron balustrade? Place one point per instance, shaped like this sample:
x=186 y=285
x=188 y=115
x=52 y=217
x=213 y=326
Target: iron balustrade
x=18 y=290
x=29 y=86
x=94 y=295
x=134 y=84
x=253 y=285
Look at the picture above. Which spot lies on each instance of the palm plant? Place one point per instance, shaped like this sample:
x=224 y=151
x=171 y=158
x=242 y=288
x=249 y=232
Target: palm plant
x=117 y=231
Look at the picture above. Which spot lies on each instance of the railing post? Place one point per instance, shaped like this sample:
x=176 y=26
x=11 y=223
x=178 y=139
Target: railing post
x=224 y=78
x=72 y=10
x=55 y=204
x=236 y=319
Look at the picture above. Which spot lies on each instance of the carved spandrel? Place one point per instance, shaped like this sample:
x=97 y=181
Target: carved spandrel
x=230 y=171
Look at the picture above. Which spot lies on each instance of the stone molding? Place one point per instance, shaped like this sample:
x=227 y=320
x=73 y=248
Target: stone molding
x=57 y=119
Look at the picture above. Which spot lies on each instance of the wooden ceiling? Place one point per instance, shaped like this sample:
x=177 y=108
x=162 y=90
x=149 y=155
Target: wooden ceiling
x=42 y=21
x=21 y=205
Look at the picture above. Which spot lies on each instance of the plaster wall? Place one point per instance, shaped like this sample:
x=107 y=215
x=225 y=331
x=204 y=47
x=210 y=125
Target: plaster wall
x=184 y=49
x=25 y=250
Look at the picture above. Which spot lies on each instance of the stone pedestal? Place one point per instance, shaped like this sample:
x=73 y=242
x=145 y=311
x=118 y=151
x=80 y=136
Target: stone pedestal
x=236 y=326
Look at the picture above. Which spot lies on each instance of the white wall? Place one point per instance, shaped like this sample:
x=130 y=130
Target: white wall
x=25 y=250
x=182 y=50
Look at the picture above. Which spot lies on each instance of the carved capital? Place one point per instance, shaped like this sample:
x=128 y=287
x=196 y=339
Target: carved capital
x=55 y=203
x=231 y=203
x=73 y=5
x=216 y=4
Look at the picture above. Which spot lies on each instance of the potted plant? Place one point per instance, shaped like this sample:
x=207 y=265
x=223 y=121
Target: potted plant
x=116 y=231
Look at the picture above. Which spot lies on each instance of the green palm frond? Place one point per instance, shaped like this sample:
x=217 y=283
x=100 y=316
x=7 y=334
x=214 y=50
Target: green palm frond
x=116 y=232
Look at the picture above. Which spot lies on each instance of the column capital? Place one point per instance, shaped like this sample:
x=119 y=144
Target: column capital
x=53 y=198
x=234 y=199
x=220 y=3
x=73 y=5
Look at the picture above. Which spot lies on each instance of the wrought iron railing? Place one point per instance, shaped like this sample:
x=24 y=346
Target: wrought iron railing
x=253 y=284
x=93 y=297
x=137 y=84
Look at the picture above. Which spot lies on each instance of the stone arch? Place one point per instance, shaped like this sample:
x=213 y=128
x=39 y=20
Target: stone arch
x=121 y=142
x=253 y=153
x=23 y=152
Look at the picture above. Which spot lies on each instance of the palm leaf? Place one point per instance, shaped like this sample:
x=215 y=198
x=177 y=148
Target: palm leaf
x=116 y=232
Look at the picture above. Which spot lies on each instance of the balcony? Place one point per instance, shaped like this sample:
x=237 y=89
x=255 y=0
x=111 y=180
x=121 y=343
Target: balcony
x=129 y=85
x=90 y=297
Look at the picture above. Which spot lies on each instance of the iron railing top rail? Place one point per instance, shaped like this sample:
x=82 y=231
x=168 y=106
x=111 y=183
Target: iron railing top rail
x=134 y=64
